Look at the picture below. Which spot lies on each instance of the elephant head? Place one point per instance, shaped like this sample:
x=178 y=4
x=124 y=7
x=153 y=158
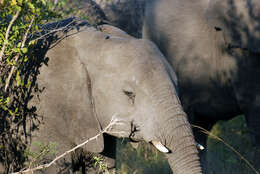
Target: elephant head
x=93 y=76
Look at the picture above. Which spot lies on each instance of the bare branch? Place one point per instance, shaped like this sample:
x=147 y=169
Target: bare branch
x=7 y=34
x=109 y=126
x=53 y=31
x=18 y=55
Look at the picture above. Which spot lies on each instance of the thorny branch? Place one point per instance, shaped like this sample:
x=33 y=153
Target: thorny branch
x=107 y=129
x=7 y=34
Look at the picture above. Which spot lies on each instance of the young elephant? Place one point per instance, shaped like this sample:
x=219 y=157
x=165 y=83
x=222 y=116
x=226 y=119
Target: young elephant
x=88 y=77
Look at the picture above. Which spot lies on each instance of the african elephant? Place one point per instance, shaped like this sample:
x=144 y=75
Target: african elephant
x=89 y=76
x=213 y=46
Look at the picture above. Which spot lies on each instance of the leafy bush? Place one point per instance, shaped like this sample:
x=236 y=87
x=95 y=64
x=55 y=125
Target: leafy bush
x=18 y=20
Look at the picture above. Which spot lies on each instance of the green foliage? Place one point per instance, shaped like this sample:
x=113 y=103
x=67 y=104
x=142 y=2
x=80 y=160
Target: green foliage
x=84 y=9
x=143 y=160
x=13 y=35
x=42 y=151
x=70 y=7
x=222 y=159
x=100 y=164
x=18 y=20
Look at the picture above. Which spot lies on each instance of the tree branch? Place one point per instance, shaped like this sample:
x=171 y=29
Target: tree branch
x=18 y=55
x=109 y=126
x=7 y=34
x=23 y=43
x=53 y=31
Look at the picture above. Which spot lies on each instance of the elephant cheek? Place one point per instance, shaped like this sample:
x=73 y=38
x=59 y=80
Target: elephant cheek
x=120 y=128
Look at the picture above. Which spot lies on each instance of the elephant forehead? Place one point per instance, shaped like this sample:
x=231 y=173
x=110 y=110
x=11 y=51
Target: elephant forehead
x=132 y=54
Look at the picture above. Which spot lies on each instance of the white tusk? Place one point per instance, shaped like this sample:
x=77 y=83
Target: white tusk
x=160 y=147
x=199 y=146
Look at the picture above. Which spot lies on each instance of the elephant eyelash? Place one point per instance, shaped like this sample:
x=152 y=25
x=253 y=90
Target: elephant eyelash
x=130 y=94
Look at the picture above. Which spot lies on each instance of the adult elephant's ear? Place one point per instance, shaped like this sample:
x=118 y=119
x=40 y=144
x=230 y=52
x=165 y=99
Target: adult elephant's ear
x=85 y=122
x=66 y=100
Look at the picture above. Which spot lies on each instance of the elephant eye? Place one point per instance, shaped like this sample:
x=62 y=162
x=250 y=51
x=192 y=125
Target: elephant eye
x=130 y=95
x=218 y=29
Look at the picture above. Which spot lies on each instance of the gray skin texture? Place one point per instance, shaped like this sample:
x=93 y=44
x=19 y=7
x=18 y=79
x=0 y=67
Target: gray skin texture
x=213 y=46
x=87 y=77
x=125 y=14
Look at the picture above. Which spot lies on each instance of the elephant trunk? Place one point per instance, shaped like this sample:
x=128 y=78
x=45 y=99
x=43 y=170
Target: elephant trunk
x=176 y=133
x=183 y=158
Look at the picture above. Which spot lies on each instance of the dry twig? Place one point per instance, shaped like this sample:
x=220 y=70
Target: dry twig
x=109 y=126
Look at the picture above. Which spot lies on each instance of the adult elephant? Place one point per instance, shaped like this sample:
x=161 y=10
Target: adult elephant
x=86 y=78
x=213 y=46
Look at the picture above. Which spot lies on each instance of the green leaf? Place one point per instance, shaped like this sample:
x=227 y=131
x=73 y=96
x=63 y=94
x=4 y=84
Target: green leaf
x=28 y=84
x=2 y=35
x=20 y=2
x=24 y=50
x=13 y=2
x=4 y=108
x=32 y=42
x=19 y=44
x=31 y=6
x=18 y=8
x=16 y=50
x=43 y=2
x=7 y=100
x=18 y=79
x=16 y=110
x=25 y=59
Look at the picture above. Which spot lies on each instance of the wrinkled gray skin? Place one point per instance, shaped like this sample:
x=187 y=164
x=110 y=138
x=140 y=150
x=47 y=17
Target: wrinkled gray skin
x=92 y=77
x=213 y=46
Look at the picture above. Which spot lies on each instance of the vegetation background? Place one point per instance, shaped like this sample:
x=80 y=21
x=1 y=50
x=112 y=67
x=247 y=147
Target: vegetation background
x=143 y=160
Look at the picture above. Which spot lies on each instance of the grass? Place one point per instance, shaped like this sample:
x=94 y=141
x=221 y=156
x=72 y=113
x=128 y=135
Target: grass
x=143 y=160
x=221 y=159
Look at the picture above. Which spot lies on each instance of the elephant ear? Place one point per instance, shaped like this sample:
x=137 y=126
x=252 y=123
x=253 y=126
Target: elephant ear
x=66 y=100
